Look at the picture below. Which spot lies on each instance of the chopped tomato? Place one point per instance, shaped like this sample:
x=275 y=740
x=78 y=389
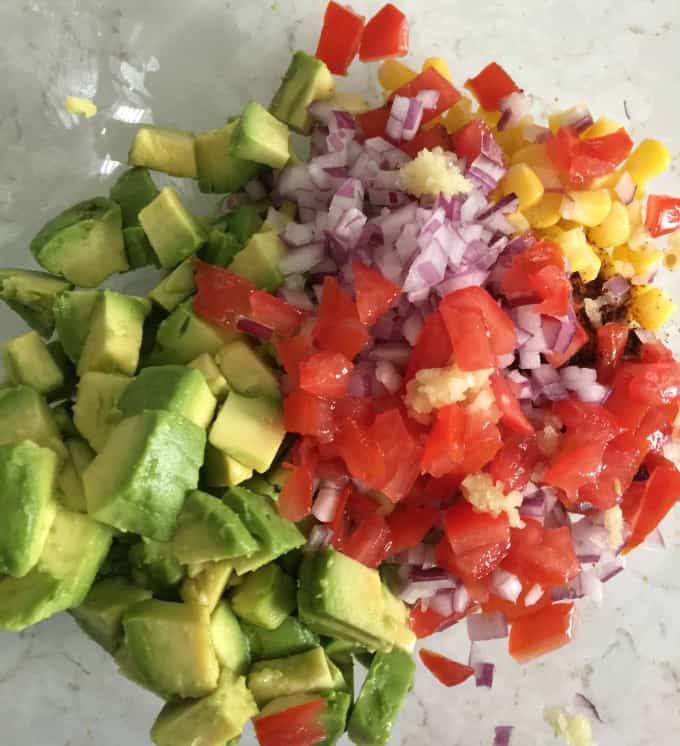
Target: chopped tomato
x=222 y=296
x=467 y=142
x=435 y=137
x=295 y=501
x=374 y=293
x=275 y=313
x=445 y=447
x=431 y=80
x=551 y=562
x=655 y=383
x=655 y=352
x=292 y=351
x=516 y=285
x=385 y=35
x=370 y=543
x=469 y=337
x=468 y=529
x=611 y=343
x=360 y=452
x=515 y=461
x=301 y=725
x=540 y=633
x=528 y=535
x=340 y=37
x=479 y=563
x=400 y=452
x=663 y=214
x=326 y=374
x=308 y=414
x=519 y=609
x=433 y=347
x=408 y=525
x=425 y=622
x=338 y=328
x=553 y=286
x=491 y=85
x=339 y=524
x=482 y=441
x=556 y=359
x=511 y=412
x=575 y=467
x=449 y=672
x=586 y=418
x=655 y=428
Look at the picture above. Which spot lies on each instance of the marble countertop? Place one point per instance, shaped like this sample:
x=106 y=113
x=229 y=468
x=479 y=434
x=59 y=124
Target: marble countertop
x=192 y=64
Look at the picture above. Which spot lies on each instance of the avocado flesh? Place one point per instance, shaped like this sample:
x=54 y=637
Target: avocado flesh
x=138 y=250
x=28 y=361
x=133 y=190
x=217 y=383
x=96 y=412
x=246 y=371
x=31 y=295
x=289 y=638
x=164 y=149
x=230 y=642
x=221 y=470
x=24 y=415
x=72 y=313
x=153 y=565
x=70 y=492
x=175 y=287
x=206 y=587
x=259 y=261
x=266 y=597
x=219 y=171
x=260 y=137
x=220 y=249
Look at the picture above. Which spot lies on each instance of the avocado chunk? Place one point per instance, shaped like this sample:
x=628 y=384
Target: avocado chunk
x=153 y=566
x=210 y=721
x=295 y=674
x=221 y=470
x=114 y=340
x=259 y=261
x=217 y=383
x=389 y=680
x=260 y=137
x=31 y=295
x=218 y=169
x=27 y=478
x=246 y=371
x=172 y=645
x=100 y=615
x=243 y=222
x=127 y=667
x=138 y=250
x=139 y=480
x=28 y=361
x=249 y=429
x=231 y=644
x=163 y=149
x=265 y=598
x=84 y=244
x=96 y=409
x=72 y=314
x=173 y=232
x=220 y=249
x=307 y=80
x=206 y=588
x=24 y=415
x=63 y=418
x=74 y=550
x=70 y=491
x=175 y=287
x=133 y=190
x=289 y=638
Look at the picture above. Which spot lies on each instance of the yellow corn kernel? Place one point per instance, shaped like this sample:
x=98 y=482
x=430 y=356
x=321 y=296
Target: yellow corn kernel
x=642 y=260
x=522 y=181
x=588 y=207
x=440 y=65
x=458 y=115
x=581 y=255
x=649 y=159
x=603 y=126
x=546 y=212
x=393 y=74
x=635 y=213
x=672 y=254
x=613 y=230
x=351 y=102
x=651 y=306
x=518 y=222
x=512 y=138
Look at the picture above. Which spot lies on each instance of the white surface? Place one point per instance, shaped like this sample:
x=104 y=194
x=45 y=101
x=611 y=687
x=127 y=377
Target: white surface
x=191 y=64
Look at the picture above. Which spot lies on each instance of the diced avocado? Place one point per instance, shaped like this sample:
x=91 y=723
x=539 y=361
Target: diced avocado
x=290 y=562
x=117 y=563
x=250 y=429
x=175 y=287
x=206 y=588
x=75 y=549
x=68 y=370
x=259 y=261
x=266 y=597
x=172 y=645
x=217 y=383
x=221 y=470
x=84 y=244
x=101 y=613
x=208 y=530
x=133 y=190
x=263 y=486
x=345 y=668
x=138 y=250
x=307 y=80
x=63 y=418
x=96 y=409
x=163 y=149
x=243 y=222
x=31 y=295
x=153 y=565
x=218 y=169
x=114 y=340
x=246 y=371
x=139 y=480
x=220 y=249
x=339 y=649
x=72 y=314
x=70 y=491
x=172 y=230
x=295 y=674
x=260 y=137
x=389 y=680
x=230 y=643
x=289 y=638
x=27 y=478
x=28 y=361
x=24 y=415
x=127 y=666
x=210 y=721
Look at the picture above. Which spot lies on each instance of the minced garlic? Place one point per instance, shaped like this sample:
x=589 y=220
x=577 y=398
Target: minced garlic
x=613 y=522
x=433 y=172
x=432 y=388
x=487 y=497
x=575 y=729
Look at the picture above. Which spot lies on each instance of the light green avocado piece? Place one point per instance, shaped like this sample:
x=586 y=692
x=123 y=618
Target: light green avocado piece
x=100 y=615
x=72 y=314
x=74 y=550
x=217 y=383
x=307 y=80
x=172 y=645
x=175 y=287
x=127 y=667
x=63 y=418
x=164 y=149
x=70 y=491
x=266 y=597
x=139 y=480
x=138 y=250
x=31 y=295
x=218 y=170
x=27 y=478
x=28 y=361
x=221 y=470
x=153 y=566
x=389 y=680
x=243 y=222
x=260 y=137
x=84 y=244
x=249 y=429
x=220 y=249
x=114 y=340
x=172 y=230
x=230 y=643
x=246 y=371
x=206 y=587
x=173 y=388
x=24 y=415
x=133 y=190
x=96 y=411
x=259 y=261
x=210 y=721
x=289 y=638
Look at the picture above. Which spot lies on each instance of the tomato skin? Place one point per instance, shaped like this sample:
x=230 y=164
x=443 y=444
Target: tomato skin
x=546 y=630
x=549 y=563
x=512 y=415
x=469 y=338
x=611 y=343
x=430 y=80
x=400 y=451
x=426 y=622
x=445 y=447
x=655 y=383
x=297 y=726
x=374 y=293
x=491 y=85
x=663 y=214
x=373 y=122
x=433 y=347
x=409 y=524
x=385 y=35
x=307 y=414
x=478 y=564
x=515 y=461
x=292 y=351
x=370 y=543
x=429 y=139
x=283 y=318
x=361 y=453
x=467 y=529
x=222 y=296
x=448 y=672
x=295 y=501
x=554 y=288
x=575 y=468
x=482 y=442
x=326 y=374
x=557 y=359
x=340 y=37
x=467 y=142
x=337 y=328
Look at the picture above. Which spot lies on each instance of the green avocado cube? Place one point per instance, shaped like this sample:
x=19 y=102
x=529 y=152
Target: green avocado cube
x=28 y=361
x=231 y=644
x=31 y=295
x=173 y=232
x=221 y=248
x=138 y=250
x=217 y=383
x=153 y=565
x=259 y=261
x=289 y=638
x=218 y=170
x=172 y=645
x=265 y=598
x=24 y=415
x=175 y=287
x=206 y=587
x=84 y=244
x=260 y=137
x=139 y=480
x=96 y=408
x=243 y=222
x=133 y=190
x=221 y=470
x=72 y=314
x=70 y=491
x=246 y=371
x=164 y=149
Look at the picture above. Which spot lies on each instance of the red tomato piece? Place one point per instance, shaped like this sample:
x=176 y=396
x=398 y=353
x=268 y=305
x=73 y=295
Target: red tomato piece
x=581 y=418
x=449 y=672
x=512 y=415
x=655 y=352
x=663 y=214
x=307 y=414
x=275 y=313
x=372 y=123
x=442 y=488
x=370 y=543
x=611 y=343
x=360 y=452
x=385 y=35
x=409 y=524
x=425 y=622
x=655 y=383
x=550 y=563
x=222 y=296
x=530 y=534
x=429 y=139
x=433 y=347
x=574 y=468
x=326 y=374
x=516 y=285
x=340 y=37
x=540 y=633
x=655 y=428
x=374 y=293
x=467 y=529
x=338 y=328
x=301 y=725
x=554 y=288
x=557 y=359
x=400 y=451
x=295 y=501
x=339 y=525
x=445 y=447
x=482 y=442
x=469 y=338
x=430 y=80
x=515 y=461
x=467 y=142
x=518 y=610
x=479 y=563
x=292 y=351
x=491 y=85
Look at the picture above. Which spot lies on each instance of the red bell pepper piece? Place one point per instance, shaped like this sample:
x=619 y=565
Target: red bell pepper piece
x=491 y=85
x=663 y=214
x=385 y=35
x=340 y=37
x=449 y=672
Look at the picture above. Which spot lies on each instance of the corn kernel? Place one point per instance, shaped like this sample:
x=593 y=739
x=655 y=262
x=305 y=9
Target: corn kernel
x=649 y=159
x=547 y=212
x=581 y=255
x=613 y=230
x=588 y=207
x=393 y=74
x=518 y=222
x=635 y=213
x=512 y=138
x=651 y=306
x=458 y=115
x=440 y=65
x=603 y=126
x=642 y=260
x=522 y=181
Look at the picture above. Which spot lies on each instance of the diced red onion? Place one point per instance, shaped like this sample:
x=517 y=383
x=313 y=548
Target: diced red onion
x=414 y=117
x=610 y=567
x=625 y=188
x=588 y=585
x=302 y=259
x=254 y=328
x=491 y=149
x=442 y=603
x=617 y=286
x=474 y=204
x=341 y=120
x=490 y=626
x=320 y=111
x=536 y=133
x=294 y=282
x=514 y=108
x=387 y=374
x=503 y=734
x=529 y=360
x=583 y=382
x=506 y=585
x=326 y=502
x=296 y=234
x=578 y=117
x=590 y=540
x=428 y=97
x=394 y=353
x=486 y=172
x=414 y=590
